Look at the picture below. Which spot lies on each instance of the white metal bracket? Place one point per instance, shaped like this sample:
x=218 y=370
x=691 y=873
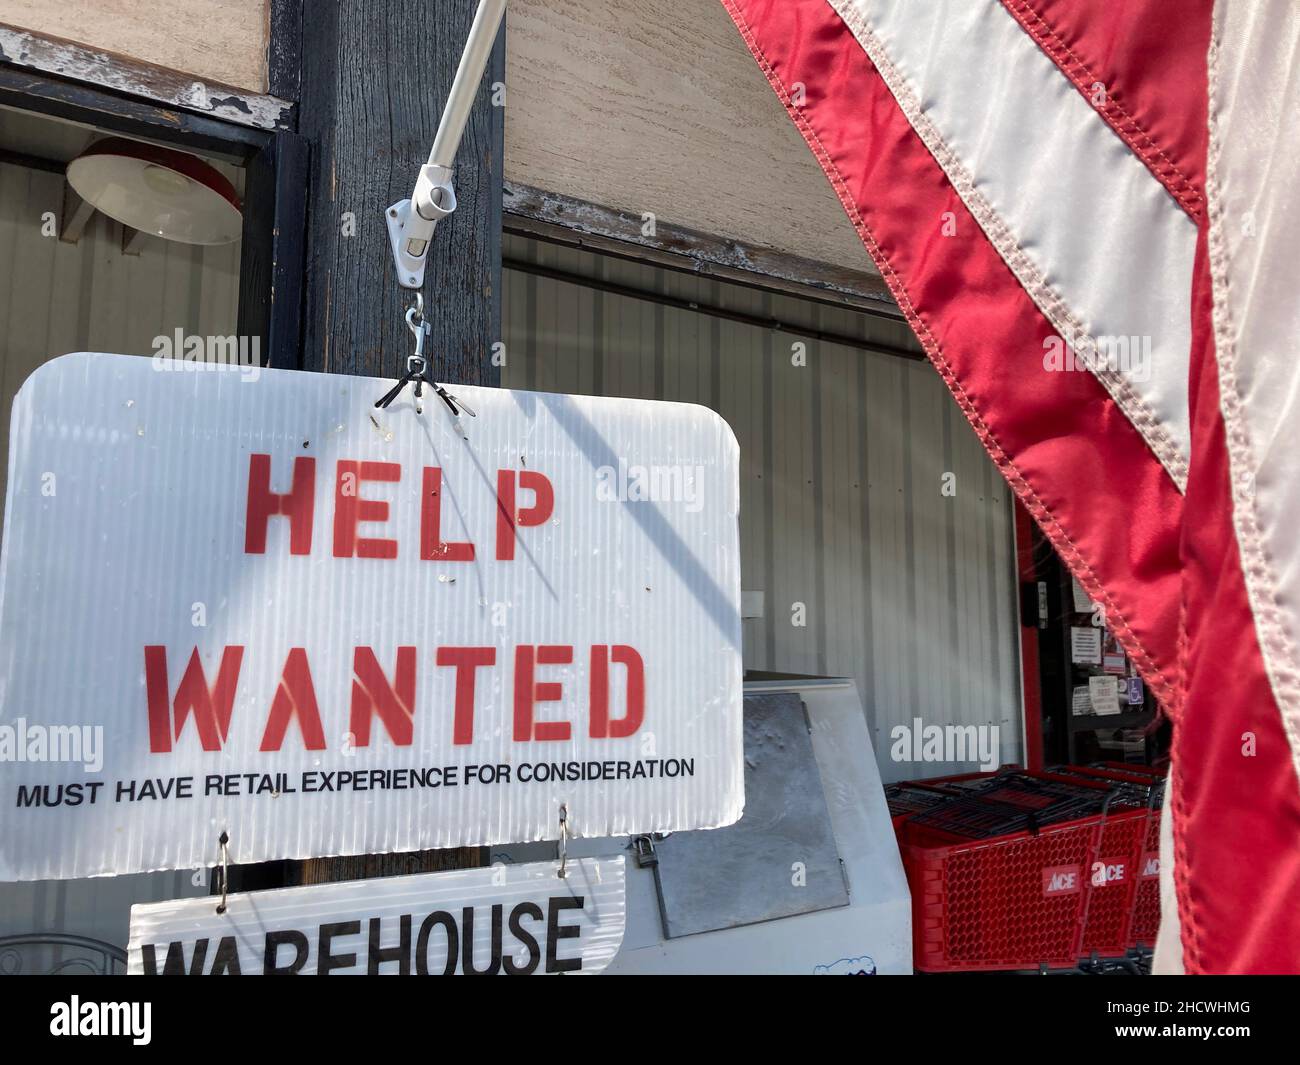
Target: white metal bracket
x=411 y=222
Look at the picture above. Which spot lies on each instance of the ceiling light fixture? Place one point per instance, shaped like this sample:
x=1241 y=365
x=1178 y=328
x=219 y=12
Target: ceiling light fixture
x=158 y=190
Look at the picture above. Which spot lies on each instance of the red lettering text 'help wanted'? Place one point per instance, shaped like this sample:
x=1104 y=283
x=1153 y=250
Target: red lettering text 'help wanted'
x=380 y=693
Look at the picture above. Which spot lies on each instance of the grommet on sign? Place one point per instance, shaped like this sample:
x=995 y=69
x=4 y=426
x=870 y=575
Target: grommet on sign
x=561 y=846
x=222 y=841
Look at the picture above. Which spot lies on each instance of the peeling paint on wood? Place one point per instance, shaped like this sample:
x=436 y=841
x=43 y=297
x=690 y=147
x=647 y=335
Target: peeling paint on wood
x=560 y=219
x=121 y=74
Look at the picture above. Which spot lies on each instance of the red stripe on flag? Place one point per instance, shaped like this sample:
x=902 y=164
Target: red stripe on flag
x=1235 y=798
x=1143 y=69
x=1070 y=454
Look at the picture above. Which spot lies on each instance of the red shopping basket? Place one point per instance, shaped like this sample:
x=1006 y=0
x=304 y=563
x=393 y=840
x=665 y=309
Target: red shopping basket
x=1014 y=801
x=1146 y=901
x=1006 y=902
x=1128 y=783
x=1146 y=897
x=1004 y=878
x=1121 y=877
x=906 y=798
x=1113 y=879
x=1131 y=767
x=909 y=797
x=1145 y=920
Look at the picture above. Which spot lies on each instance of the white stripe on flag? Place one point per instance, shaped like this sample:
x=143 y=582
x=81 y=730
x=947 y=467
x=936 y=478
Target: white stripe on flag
x=1254 y=153
x=1097 y=241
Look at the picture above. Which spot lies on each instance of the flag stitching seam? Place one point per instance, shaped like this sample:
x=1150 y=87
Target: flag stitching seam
x=1048 y=301
x=1154 y=674
x=1125 y=124
x=1275 y=643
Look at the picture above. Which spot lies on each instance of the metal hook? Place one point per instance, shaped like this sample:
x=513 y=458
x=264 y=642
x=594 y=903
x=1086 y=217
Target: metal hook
x=417 y=325
x=222 y=841
x=418 y=370
x=561 y=847
x=417 y=365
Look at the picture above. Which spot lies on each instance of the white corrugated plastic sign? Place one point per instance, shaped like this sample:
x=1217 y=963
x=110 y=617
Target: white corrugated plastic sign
x=247 y=601
x=507 y=920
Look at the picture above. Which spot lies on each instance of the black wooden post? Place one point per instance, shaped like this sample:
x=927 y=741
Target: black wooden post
x=373 y=79
x=275 y=204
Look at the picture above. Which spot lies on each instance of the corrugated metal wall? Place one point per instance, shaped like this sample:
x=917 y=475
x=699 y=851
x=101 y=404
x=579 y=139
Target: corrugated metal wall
x=843 y=459
x=89 y=296
x=907 y=590
x=56 y=298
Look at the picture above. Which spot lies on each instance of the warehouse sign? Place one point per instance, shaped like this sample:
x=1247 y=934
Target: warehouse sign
x=508 y=920
x=263 y=607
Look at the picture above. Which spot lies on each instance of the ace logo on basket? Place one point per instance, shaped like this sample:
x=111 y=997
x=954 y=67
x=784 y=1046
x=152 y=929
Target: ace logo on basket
x=1061 y=880
x=1104 y=873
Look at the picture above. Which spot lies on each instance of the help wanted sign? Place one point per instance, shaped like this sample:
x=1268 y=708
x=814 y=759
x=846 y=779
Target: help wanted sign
x=258 y=605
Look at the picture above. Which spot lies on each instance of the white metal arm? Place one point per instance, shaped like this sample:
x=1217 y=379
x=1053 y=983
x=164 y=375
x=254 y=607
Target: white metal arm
x=411 y=222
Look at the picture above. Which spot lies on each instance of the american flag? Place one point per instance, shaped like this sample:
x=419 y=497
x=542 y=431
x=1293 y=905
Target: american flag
x=1088 y=212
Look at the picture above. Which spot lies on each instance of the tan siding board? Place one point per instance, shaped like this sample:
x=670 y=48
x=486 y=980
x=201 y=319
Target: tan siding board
x=656 y=106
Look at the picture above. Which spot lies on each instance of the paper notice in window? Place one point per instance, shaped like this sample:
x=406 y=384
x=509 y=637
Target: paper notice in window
x=1104 y=694
x=1085 y=645
x=1082 y=600
x=1082 y=702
